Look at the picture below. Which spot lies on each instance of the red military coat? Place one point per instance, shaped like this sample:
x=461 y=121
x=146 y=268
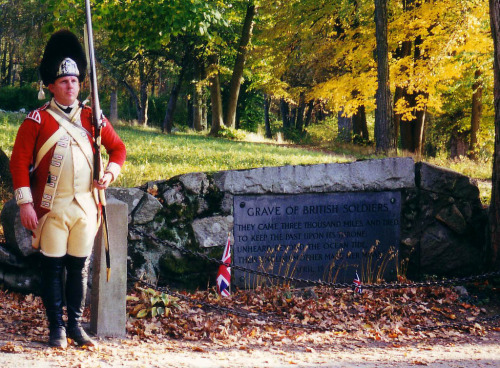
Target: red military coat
x=35 y=130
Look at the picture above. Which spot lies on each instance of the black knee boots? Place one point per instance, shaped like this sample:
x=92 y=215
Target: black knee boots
x=52 y=295
x=76 y=290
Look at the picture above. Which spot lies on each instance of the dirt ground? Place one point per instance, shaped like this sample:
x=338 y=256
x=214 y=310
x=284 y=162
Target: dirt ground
x=315 y=350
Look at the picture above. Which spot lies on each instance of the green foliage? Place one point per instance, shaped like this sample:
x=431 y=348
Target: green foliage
x=9 y=124
x=151 y=303
x=157 y=108
x=126 y=108
x=251 y=109
x=324 y=131
x=231 y=133
x=16 y=98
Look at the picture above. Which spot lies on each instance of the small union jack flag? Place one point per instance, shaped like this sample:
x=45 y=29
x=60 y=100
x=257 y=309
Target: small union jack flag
x=224 y=274
x=357 y=284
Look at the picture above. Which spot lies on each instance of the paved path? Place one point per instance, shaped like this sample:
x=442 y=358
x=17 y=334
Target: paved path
x=461 y=350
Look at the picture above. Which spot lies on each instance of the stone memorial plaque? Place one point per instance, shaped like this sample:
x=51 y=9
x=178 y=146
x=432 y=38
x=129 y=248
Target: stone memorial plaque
x=328 y=236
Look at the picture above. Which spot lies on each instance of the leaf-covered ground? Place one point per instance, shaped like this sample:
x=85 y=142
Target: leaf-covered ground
x=376 y=328
x=386 y=315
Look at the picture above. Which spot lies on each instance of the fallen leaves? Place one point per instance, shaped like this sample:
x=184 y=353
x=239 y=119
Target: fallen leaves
x=419 y=362
x=11 y=348
x=382 y=315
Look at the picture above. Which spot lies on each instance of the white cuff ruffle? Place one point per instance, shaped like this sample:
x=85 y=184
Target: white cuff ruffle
x=23 y=195
x=114 y=169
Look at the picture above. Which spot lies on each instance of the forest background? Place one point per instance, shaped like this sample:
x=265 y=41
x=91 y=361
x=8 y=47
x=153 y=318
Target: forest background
x=302 y=70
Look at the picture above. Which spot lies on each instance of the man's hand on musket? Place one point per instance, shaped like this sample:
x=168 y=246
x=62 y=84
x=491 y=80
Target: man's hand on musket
x=104 y=182
x=29 y=218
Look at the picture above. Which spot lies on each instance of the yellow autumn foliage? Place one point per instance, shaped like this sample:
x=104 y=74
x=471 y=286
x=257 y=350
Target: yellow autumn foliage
x=328 y=48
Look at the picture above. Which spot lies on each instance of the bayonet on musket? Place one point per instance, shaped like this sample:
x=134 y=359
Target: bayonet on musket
x=97 y=123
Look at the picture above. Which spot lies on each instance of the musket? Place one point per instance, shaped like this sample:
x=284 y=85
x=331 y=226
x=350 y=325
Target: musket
x=97 y=123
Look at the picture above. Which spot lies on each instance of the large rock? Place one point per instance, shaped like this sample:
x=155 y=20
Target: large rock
x=440 y=180
x=146 y=210
x=443 y=223
x=370 y=175
x=142 y=206
x=18 y=238
x=131 y=196
x=453 y=218
x=444 y=253
x=212 y=231
x=26 y=280
x=5 y=176
x=447 y=224
x=196 y=183
x=7 y=258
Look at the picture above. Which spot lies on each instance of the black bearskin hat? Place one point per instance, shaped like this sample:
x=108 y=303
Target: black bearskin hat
x=63 y=45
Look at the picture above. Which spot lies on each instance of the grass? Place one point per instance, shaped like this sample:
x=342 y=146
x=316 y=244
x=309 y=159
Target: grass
x=9 y=123
x=155 y=156
x=480 y=169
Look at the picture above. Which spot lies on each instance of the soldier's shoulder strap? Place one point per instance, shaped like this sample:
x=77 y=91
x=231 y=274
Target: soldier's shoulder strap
x=35 y=114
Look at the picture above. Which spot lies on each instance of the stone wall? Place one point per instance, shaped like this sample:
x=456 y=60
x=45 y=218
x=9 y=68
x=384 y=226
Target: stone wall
x=443 y=223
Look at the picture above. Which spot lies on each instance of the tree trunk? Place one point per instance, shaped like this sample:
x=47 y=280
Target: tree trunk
x=197 y=108
x=143 y=118
x=310 y=108
x=174 y=95
x=267 y=122
x=412 y=131
x=204 y=115
x=113 y=108
x=359 y=125
x=402 y=51
x=345 y=127
x=495 y=190
x=143 y=93
x=198 y=97
x=11 y=75
x=239 y=64
x=215 y=96
x=299 y=125
x=320 y=112
x=134 y=98
x=285 y=110
x=384 y=124
x=458 y=144
x=190 y=113
x=477 y=112
x=10 y=67
x=292 y=118
x=4 y=64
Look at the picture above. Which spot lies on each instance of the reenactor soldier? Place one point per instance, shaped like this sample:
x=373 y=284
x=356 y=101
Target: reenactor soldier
x=52 y=167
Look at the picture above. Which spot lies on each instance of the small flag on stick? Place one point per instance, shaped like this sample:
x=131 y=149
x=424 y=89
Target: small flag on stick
x=224 y=274
x=357 y=284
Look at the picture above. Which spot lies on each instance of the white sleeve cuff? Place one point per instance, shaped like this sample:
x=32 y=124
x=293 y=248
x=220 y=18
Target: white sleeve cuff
x=114 y=169
x=23 y=195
